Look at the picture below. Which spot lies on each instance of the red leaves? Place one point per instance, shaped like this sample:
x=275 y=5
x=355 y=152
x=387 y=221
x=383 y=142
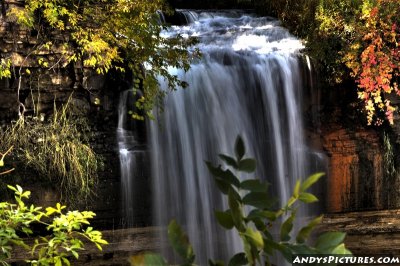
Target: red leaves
x=379 y=58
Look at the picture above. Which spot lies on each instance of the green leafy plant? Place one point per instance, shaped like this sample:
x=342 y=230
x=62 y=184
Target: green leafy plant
x=64 y=236
x=252 y=213
x=58 y=150
x=254 y=224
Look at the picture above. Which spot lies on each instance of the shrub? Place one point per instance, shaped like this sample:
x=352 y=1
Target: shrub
x=65 y=232
x=57 y=150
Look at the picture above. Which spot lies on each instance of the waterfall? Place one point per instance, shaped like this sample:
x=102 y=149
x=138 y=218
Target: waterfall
x=126 y=141
x=135 y=187
x=248 y=82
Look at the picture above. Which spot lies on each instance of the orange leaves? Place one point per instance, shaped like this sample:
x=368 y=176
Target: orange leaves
x=378 y=62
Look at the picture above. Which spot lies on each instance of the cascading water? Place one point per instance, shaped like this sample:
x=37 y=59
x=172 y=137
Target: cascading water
x=135 y=187
x=248 y=82
x=126 y=142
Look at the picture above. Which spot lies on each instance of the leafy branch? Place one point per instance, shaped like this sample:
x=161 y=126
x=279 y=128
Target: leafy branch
x=64 y=231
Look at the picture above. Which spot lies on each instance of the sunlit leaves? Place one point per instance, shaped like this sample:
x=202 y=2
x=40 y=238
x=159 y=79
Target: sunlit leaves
x=367 y=33
x=106 y=35
x=64 y=234
x=5 y=71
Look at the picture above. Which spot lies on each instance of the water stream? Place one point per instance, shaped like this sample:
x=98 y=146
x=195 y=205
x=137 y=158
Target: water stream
x=248 y=82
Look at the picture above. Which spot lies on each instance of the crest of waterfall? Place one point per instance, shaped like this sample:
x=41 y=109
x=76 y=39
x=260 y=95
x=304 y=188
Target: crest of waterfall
x=248 y=82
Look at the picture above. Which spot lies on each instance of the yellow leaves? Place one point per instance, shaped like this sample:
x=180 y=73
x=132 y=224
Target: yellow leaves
x=48 y=45
x=42 y=62
x=22 y=16
x=378 y=100
x=5 y=71
x=97 y=33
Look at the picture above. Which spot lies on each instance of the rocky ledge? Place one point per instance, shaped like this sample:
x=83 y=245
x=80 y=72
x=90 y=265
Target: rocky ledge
x=368 y=233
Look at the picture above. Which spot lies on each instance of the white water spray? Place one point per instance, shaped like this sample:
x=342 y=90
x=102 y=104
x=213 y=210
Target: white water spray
x=249 y=82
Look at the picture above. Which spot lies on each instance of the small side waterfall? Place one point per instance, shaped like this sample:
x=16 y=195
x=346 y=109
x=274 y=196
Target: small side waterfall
x=126 y=142
x=135 y=187
x=249 y=82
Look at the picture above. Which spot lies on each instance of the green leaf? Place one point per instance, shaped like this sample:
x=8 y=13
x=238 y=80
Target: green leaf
x=225 y=175
x=66 y=261
x=230 y=178
x=225 y=219
x=305 y=232
x=341 y=250
x=50 y=211
x=270 y=215
x=296 y=190
x=12 y=188
x=75 y=254
x=240 y=149
x=236 y=210
x=310 y=181
x=261 y=200
x=287 y=227
x=229 y=160
x=19 y=188
x=58 y=261
x=247 y=165
x=270 y=245
x=260 y=225
x=238 y=259
x=307 y=197
x=254 y=237
x=302 y=249
x=154 y=259
x=328 y=241
x=222 y=185
x=254 y=185
x=248 y=251
x=180 y=241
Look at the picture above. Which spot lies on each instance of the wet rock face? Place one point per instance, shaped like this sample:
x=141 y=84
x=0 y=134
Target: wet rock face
x=356 y=170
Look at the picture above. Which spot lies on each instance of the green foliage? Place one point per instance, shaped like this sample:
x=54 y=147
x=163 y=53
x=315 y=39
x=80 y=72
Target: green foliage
x=58 y=150
x=254 y=226
x=65 y=232
x=108 y=34
x=252 y=214
x=180 y=242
